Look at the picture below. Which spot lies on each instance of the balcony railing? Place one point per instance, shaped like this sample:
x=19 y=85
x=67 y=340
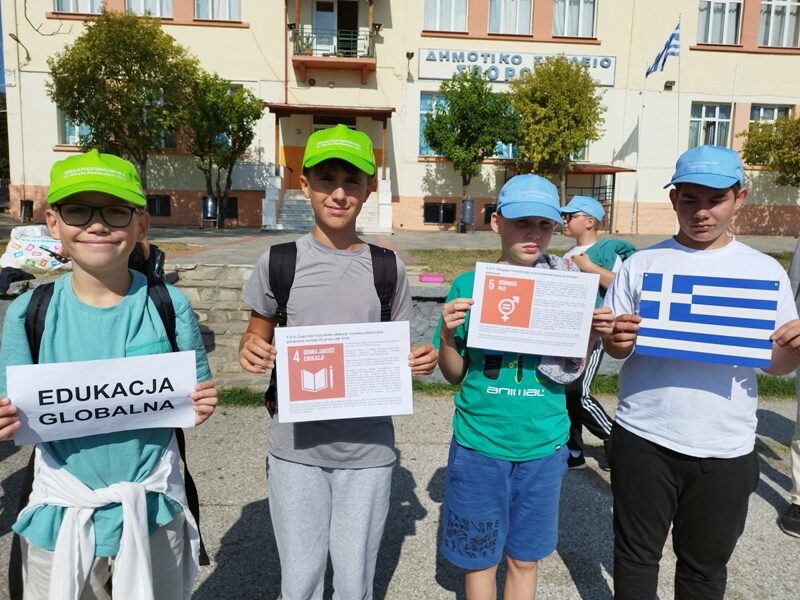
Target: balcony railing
x=333 y=42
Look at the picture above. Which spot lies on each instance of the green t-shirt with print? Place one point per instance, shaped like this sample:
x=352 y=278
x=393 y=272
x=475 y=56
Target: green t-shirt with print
x=505 y=409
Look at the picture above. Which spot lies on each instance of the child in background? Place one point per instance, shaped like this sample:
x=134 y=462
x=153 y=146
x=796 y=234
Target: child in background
x=682 y=447
x=102 y=310
x=508 y=453
x=582 y=218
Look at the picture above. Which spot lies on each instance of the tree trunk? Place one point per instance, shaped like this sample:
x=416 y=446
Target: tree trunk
x=562 y=176
x=221 y=201
x=465 y=181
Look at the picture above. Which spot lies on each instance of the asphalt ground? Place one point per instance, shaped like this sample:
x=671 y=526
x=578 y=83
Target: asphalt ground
x=227 y=454
x=227 y=457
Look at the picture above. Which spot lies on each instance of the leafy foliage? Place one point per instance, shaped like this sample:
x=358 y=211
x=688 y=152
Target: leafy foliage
x=560 y=110
x=128 y=81
x=221 y=121
x=776 y=146
x=467 y=124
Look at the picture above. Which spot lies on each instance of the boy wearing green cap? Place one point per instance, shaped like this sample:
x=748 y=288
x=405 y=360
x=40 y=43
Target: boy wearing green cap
x=329 y=481
x=99 y=311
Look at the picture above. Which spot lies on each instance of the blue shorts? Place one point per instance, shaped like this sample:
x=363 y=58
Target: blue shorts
x=494 y=507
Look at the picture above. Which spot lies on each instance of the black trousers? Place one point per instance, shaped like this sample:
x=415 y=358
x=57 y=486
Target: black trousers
x=582 y=407
x=703 y=499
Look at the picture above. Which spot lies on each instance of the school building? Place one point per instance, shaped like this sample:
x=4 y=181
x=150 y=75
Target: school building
x=377 y=65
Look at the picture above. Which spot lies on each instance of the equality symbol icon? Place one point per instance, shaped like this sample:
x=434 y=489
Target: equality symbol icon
x=506 y=307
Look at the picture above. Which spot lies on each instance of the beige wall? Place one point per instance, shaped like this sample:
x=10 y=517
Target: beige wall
x=646 y=126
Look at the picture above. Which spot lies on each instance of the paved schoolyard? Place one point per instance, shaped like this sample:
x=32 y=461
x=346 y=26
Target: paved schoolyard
x=227 y=459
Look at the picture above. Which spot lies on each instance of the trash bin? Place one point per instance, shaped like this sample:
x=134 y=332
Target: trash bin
x=210 y=210
x=26 y=211
x=467 y=221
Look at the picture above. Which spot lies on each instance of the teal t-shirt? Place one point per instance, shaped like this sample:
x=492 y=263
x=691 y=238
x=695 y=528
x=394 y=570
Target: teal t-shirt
x=505 y=409
x=75 y=331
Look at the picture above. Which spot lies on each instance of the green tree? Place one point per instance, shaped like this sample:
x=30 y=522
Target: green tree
x=221 y=122
x=128 y=81
x=560 y=110
x=776 y=146
x=468 y=122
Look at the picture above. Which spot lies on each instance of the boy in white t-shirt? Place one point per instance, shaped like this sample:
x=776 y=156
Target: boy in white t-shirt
x=682 y=447
x=582 y=218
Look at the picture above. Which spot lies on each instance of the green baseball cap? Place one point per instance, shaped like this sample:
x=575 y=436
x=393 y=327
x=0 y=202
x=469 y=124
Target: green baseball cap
x=340 y=142
x=96 y=172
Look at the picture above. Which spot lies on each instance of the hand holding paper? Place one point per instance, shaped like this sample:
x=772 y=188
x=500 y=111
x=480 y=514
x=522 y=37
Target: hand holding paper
x=9 y=419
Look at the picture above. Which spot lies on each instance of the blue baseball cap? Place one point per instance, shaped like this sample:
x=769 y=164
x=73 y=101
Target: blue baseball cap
x=712 y=166
x=587 y=205
x=529 y=196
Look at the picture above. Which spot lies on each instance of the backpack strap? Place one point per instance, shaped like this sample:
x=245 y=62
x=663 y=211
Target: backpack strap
x=159 y=296
x=282 y=262
x=384 y=274
x=35 y=315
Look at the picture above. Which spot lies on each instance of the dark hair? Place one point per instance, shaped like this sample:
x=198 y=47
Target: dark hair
x=333 y=163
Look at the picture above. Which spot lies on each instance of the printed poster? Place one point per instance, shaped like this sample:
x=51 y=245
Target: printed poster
x=532 y=311
x=60 y=401
x=719 y=320
x=343 y=371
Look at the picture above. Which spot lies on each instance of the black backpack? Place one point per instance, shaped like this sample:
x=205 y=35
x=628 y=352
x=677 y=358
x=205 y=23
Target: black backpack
x=282 y=263
x=34 y=328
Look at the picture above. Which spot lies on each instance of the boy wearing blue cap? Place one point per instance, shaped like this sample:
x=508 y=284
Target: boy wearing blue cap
x=508 y=454
x=582 y=218
x=682 y=447
x=106 y=510
x=329 y=481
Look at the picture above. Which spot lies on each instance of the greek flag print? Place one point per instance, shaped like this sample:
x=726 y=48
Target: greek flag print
x=671 y=48
x=709 y=319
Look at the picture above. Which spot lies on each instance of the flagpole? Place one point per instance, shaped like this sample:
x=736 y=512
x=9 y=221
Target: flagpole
x=678 y=133
x=640 y=126
x=733 y=102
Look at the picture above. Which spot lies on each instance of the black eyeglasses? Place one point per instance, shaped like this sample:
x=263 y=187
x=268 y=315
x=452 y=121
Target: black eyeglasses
x=569 y=216
x=78 y=215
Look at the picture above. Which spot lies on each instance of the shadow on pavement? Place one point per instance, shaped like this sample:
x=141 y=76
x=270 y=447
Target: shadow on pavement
x=405 y=510
x=449 y=577
x=585 y=531
x=247 y=564
x=780 y=429
x=585 y=535
x=11 y=489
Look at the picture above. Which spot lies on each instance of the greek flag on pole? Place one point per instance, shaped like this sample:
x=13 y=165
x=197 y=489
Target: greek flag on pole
x=708 y=319
x=671 y=48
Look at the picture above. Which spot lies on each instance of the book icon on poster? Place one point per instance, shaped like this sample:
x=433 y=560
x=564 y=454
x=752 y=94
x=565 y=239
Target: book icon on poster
x=320 y=380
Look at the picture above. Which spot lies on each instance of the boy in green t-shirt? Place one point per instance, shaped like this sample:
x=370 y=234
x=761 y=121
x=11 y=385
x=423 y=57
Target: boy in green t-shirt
x=510 y=427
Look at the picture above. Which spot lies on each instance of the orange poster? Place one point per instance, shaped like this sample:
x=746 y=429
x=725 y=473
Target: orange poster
x=316 y=372
x=507 y=301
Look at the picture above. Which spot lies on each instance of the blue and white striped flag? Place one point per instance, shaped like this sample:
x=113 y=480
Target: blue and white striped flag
x=671 y=48
x=708 y=319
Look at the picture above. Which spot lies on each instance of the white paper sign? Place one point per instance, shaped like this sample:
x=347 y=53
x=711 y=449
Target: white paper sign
x=343 y=371
x=67 y=400
x=532 y=311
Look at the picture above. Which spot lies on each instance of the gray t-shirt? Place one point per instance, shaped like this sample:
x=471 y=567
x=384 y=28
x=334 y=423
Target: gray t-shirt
x=331 y=286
